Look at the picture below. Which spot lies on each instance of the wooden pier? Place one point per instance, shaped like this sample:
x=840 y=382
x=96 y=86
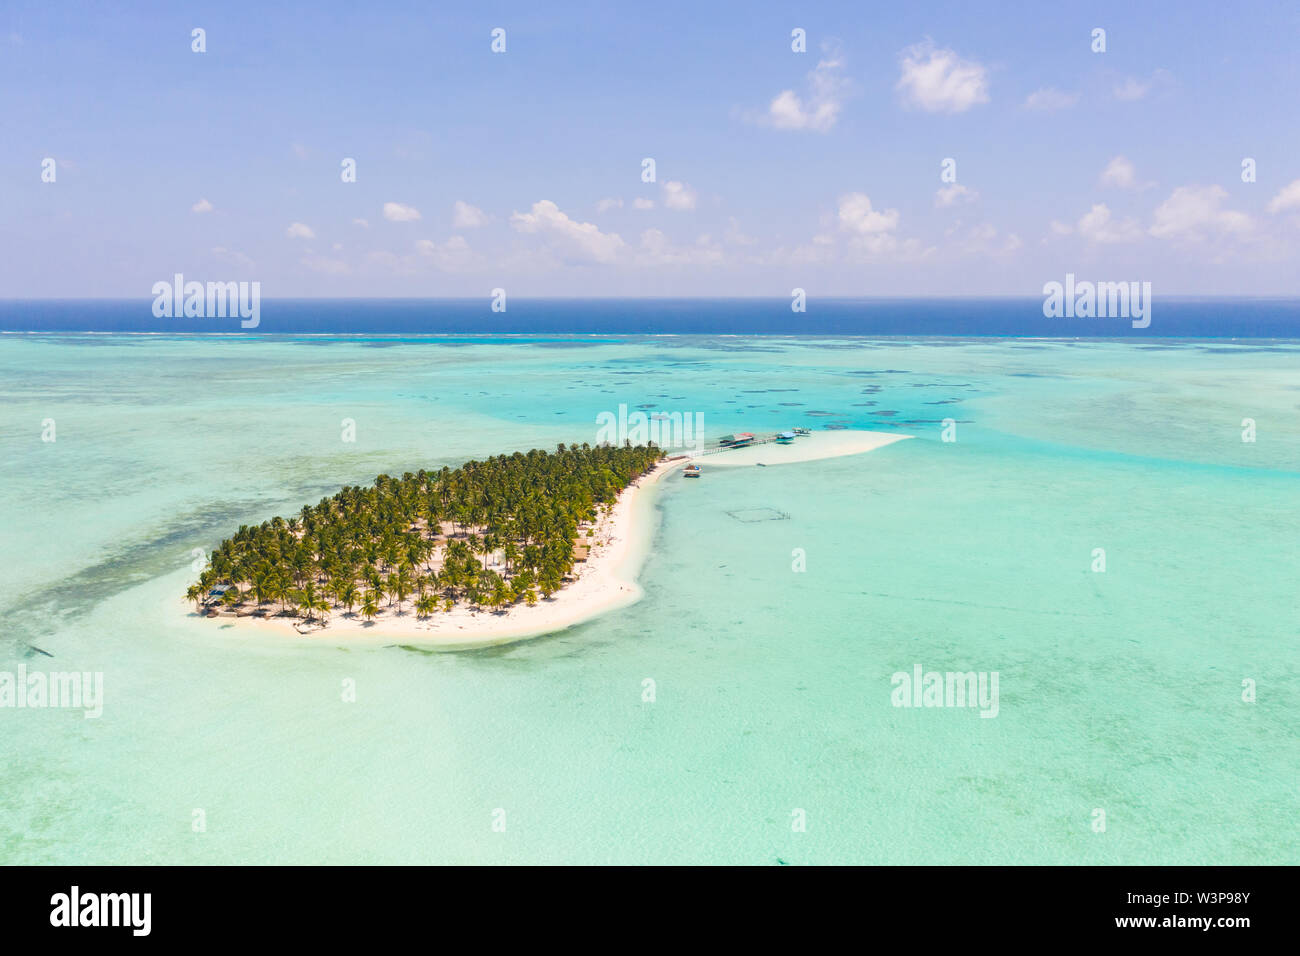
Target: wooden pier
x=712 y=448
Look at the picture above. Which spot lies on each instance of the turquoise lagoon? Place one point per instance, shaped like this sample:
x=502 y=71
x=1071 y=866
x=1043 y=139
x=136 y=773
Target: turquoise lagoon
x=1120 y=691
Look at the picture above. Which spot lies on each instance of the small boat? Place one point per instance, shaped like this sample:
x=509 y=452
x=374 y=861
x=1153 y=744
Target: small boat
x=738 y=440
x=802 y=431
x=692 y=471
x=784 y=438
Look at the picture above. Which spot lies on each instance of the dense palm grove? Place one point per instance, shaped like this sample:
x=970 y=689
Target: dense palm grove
x=430 y=536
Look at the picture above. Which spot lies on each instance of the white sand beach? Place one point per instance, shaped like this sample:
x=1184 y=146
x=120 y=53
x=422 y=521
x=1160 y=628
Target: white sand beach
x=605 y=581
x=812 y=447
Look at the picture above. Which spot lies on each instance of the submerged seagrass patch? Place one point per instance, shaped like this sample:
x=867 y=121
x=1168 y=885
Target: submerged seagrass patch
x=759 y=514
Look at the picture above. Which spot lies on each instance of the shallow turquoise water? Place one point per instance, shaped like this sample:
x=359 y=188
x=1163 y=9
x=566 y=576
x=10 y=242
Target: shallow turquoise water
x=1119 y=691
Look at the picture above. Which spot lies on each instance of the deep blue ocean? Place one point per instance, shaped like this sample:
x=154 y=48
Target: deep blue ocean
x=1171 y=317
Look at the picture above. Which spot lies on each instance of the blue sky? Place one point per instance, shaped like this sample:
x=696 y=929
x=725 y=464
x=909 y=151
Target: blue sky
x=774 y=169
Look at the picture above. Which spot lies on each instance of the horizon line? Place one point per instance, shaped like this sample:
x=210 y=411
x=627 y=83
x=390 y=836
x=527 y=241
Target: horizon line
x=658 y=298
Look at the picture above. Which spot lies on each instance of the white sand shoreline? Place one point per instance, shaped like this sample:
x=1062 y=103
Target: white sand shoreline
x=607 y=580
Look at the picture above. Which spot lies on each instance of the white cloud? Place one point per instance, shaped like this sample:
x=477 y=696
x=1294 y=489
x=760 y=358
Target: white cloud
x=1194 y=212
x=396 y=212
x=1049 y=99
x=1122 y=174
x=1288 y=198
x=1135 y=88
x=1097 y=225
x=1009 y=245
x=678 y=195
x=605 y=205
x=951 y=195
x=1119 y=172
x=1132 y=89
x=297 y=230
x=467 y=216
x=736 y=236
x=939 y=81
x=361 y=222
x=984 y=239
x=201 y=206
x=821 y=108
x=581 y=238
x=885 y=247
x=454 y=255
x=656 y=249
x=857 y=216
x=876 y=245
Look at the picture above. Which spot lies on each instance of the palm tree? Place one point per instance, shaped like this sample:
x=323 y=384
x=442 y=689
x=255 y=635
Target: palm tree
x=281 y=591
x=426 y=605
x=194 y=593
x=311 y=601
x=371 y=606
x=399 y=584
x=549 y=581
x=262 y=589
x=318 y=604
x=501 y=595
x=522 y=582
x=489 y=546
x=473 y=592
x=348 y=595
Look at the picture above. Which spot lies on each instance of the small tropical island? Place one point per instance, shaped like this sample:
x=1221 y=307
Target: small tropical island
x=493 y=551
x=487 y=536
